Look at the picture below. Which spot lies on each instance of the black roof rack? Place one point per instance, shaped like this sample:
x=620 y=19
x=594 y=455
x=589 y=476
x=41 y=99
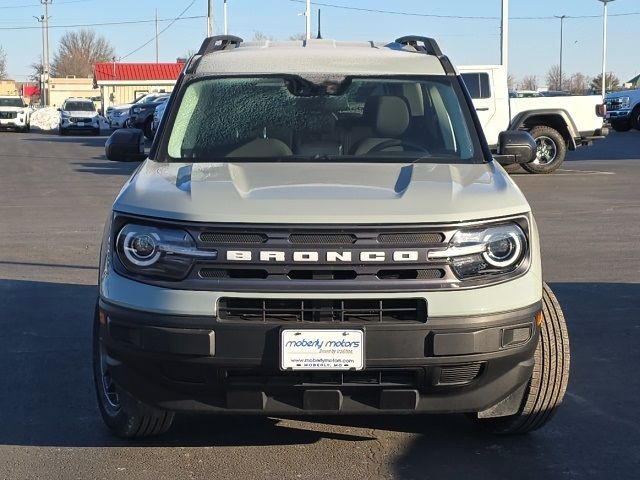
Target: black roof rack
x=429 y=46
x=219 y=42
x=425 y=44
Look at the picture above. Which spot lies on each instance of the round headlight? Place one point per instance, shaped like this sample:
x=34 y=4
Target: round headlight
x=503 y=248
x=141 y=248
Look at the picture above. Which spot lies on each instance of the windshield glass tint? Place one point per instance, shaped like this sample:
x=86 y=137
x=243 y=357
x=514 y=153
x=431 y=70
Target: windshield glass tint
x=11 y=102
x=79 y=107
x=264 y=118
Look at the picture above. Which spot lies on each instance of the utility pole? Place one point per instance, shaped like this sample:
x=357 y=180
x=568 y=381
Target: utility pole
x=43 y=99
x=604 y=48
x=209 y=18
x=307 y=15
x=319 y=24
x=45 y=70
x=157 y=39
x=562 y=17
x=504 y=37
x=226 y=24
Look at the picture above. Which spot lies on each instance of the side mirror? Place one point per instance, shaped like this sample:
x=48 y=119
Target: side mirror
x=126 y=145
x=59 y=109
x=515 y=146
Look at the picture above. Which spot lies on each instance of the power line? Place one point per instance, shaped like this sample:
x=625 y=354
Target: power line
x=101 y=24
x=459 y=17
x=159 y=33
x=31 y=5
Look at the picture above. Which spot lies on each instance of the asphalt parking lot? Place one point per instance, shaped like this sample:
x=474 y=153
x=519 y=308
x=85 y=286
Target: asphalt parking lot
x=55 y=193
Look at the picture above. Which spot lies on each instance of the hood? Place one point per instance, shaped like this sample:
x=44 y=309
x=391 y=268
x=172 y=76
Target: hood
x=14 y=109
x=81 y=113
x=622 y=93
x=125 y=106
x=352 y=193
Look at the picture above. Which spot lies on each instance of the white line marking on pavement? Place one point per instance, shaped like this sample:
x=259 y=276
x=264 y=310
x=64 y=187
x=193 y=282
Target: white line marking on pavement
x=562 y=171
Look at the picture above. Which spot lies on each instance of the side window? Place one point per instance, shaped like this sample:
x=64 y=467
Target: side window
x=477 y=84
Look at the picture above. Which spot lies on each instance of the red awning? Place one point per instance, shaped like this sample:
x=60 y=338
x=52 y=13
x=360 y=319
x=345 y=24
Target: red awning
x=136 y=71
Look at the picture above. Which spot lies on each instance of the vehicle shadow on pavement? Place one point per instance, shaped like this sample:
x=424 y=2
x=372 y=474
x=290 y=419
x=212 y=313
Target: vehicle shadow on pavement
x=105 y=167
x=48 y=398
x=85 y=140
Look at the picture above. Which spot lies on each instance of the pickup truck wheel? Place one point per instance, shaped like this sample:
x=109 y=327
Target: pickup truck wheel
x=635 y=118
x=551 y=150
x=124 y=415
x=621 y=125
x=548 y=382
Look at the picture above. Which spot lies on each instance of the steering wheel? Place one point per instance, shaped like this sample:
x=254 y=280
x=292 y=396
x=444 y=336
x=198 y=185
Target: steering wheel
x=396 y=142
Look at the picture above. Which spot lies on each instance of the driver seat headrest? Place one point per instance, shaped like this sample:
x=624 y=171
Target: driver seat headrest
x=388 y=114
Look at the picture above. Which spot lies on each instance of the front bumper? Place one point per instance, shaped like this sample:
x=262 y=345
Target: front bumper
x=198 y=363
x=83 y=126
x=617 y=115
x=18 y=122
x=117 y=122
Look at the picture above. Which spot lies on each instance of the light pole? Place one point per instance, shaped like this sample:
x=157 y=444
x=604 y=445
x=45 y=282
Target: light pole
x=43 y=94
x=45 y=62
x=562 y=17
x=226 y=24
x=604 y=47
x=209 y=18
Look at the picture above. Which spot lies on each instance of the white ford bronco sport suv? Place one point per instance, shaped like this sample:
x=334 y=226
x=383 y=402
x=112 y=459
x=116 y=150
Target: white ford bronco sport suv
x=320 y=228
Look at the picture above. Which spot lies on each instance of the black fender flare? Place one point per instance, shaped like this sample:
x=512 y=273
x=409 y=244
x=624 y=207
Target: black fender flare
x=551 y=117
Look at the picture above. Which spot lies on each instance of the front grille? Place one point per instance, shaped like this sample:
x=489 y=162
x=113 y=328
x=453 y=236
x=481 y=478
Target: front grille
x=459 y=374
x=414 y=378
x=232 y=238
x=322 y=239
x=410 y=238
x=615 y=104
x=8 y=115
x=246 y=273
x=81 y=119
x=322 y=310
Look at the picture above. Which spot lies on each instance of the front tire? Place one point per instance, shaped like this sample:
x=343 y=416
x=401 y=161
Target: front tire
x=551 y=150
x=548 y=382
x=123 y=414
x=635 y=118
x=148 y=129
x=621 y=125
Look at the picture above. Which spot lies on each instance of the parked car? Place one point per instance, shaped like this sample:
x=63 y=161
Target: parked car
x=141 y=114
x=320 y=228
x=78 y=114
x=557 y=123
x=118 y=116
x=623 y=110
x=157 y=116
x=14 y=113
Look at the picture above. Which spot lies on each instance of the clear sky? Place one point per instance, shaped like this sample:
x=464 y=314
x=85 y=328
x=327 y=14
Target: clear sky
x=534 y=43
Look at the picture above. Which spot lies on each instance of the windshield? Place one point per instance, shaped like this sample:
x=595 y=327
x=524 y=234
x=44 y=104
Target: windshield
x=296 y=119
x=79 y=107
x=11 y=102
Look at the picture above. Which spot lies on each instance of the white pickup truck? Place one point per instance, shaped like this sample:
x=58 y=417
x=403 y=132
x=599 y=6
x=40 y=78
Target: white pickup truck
x=557 y=123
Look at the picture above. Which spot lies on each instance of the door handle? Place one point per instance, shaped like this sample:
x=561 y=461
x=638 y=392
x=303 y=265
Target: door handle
x=483 y=109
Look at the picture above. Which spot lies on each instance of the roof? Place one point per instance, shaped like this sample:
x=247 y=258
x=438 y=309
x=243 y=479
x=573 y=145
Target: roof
x=321 y=57
x=121 y=72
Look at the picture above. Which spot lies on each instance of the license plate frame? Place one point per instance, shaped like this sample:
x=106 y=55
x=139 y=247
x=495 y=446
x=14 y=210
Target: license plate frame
x=322 y=349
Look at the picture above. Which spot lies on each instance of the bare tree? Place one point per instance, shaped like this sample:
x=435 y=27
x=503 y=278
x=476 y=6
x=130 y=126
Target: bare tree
x=554 y=82
x=259 y=36
x=79 y=51
x=298 y=36
x=3 y=64
x=511 y=82
x=613 y=82
x=529 y=82
x=36 y=70
x=578 y=84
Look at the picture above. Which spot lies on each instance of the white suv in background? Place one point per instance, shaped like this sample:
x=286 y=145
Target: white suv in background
x=79 y=114
x=14 y=113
